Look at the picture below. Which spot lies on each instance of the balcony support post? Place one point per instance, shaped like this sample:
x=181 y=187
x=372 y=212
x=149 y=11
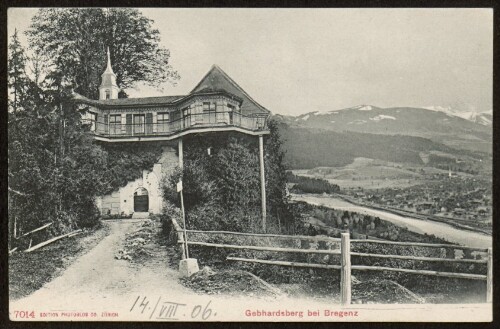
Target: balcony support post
x=181 y=154
x=262 y=181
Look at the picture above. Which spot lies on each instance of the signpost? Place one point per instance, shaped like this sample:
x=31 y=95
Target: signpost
x=187 y=266
x=179 y=190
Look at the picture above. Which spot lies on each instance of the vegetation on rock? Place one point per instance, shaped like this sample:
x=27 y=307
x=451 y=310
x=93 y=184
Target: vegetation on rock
x=222 y=189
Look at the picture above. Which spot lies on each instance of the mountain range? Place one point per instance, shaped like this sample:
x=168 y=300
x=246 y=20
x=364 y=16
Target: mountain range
x=470 y=131
x=398 y=134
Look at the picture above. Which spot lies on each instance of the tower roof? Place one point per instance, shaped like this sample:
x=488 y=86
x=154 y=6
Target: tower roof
x=109 y=69
x=108 y=77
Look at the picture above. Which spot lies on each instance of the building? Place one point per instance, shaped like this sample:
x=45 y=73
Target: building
x=216 y=104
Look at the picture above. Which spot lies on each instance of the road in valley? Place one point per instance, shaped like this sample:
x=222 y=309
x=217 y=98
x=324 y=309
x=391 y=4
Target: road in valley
x=441 y=230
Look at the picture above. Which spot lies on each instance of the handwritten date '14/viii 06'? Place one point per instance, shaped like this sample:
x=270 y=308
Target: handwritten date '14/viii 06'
x=167 y=310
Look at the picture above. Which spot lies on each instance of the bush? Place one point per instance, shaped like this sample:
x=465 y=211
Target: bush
x=222 y=190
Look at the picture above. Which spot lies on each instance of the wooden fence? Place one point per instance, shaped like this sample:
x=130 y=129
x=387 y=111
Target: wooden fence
x=345 y=265
x=31 y=233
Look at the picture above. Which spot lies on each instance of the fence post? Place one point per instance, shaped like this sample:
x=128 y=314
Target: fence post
x=489 y=278
x=180 y=237
x=345 y=272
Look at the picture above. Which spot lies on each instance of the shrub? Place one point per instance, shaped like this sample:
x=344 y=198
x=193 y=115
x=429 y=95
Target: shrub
x=222 y=190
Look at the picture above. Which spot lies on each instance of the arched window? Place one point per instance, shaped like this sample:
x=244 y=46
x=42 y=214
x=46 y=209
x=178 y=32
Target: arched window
x=108 y=94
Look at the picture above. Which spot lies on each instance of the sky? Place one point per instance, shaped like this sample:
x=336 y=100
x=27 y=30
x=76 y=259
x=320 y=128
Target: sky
x=294 y=61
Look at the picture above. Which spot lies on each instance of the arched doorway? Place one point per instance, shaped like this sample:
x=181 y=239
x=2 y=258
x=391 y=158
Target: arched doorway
x=141 y=200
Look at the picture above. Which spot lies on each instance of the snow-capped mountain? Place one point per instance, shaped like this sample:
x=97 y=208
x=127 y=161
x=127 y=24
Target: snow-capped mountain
x=438 y=124
x=483 y=118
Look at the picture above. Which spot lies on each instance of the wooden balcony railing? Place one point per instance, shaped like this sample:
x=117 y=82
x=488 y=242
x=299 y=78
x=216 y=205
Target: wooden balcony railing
x=140 y=126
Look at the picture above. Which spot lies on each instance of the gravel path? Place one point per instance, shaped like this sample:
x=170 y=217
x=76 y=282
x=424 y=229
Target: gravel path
x=97 y=276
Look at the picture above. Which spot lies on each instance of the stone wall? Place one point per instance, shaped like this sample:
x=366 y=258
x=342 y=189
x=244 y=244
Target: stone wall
x=111 y=203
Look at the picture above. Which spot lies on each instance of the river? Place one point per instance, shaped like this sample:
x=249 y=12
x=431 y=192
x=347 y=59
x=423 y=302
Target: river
x=441 y=230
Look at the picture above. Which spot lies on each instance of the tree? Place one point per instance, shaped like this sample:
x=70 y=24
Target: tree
x=17 y=72
x=74 y=42
x=54 y=173
x=38 y=68
x=17 y=90
x=276 y=179
x=53 y=167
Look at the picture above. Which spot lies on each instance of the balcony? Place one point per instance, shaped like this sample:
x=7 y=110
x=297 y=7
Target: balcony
x=138 y=128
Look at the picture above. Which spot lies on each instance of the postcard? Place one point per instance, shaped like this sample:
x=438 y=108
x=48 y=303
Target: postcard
x=250 y=164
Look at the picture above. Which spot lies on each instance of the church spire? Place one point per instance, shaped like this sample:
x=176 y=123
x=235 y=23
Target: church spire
x=109 y=69
x=108 y=89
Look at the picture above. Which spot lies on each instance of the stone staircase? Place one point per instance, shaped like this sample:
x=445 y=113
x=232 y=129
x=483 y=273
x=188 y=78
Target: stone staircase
x=140 y=215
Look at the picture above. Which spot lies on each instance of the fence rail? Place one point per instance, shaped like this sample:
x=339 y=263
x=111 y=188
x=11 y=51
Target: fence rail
x=422 y=272
x=35 y=230
x=427 y=259
x=345 y=266
x=284 y=263
x=418 y=244
x=260 y=248
x=296 y=237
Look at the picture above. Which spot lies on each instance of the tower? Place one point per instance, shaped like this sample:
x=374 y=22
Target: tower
x=108 y=89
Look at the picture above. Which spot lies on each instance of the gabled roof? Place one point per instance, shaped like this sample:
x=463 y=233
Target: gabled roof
x=149 y=101
x=218 y=80
x=142 y=100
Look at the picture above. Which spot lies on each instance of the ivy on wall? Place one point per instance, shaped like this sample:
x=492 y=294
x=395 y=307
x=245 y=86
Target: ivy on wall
x=126 y=161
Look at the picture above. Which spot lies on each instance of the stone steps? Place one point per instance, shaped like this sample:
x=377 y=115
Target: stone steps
x=140 y=215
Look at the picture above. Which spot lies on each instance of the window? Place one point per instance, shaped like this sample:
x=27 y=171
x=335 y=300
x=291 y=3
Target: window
x=108 y=94
x=149 y=123
x=139 y=124
x=115 y=123
x=92 y=119
x=231 y=109
x=176 y=115
x=162 y=119
x=208 y=107
x=209 y=112
x=186 y=115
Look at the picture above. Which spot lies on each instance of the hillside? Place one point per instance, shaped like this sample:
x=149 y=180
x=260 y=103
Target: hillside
x=473 y=133
x=309 y=148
